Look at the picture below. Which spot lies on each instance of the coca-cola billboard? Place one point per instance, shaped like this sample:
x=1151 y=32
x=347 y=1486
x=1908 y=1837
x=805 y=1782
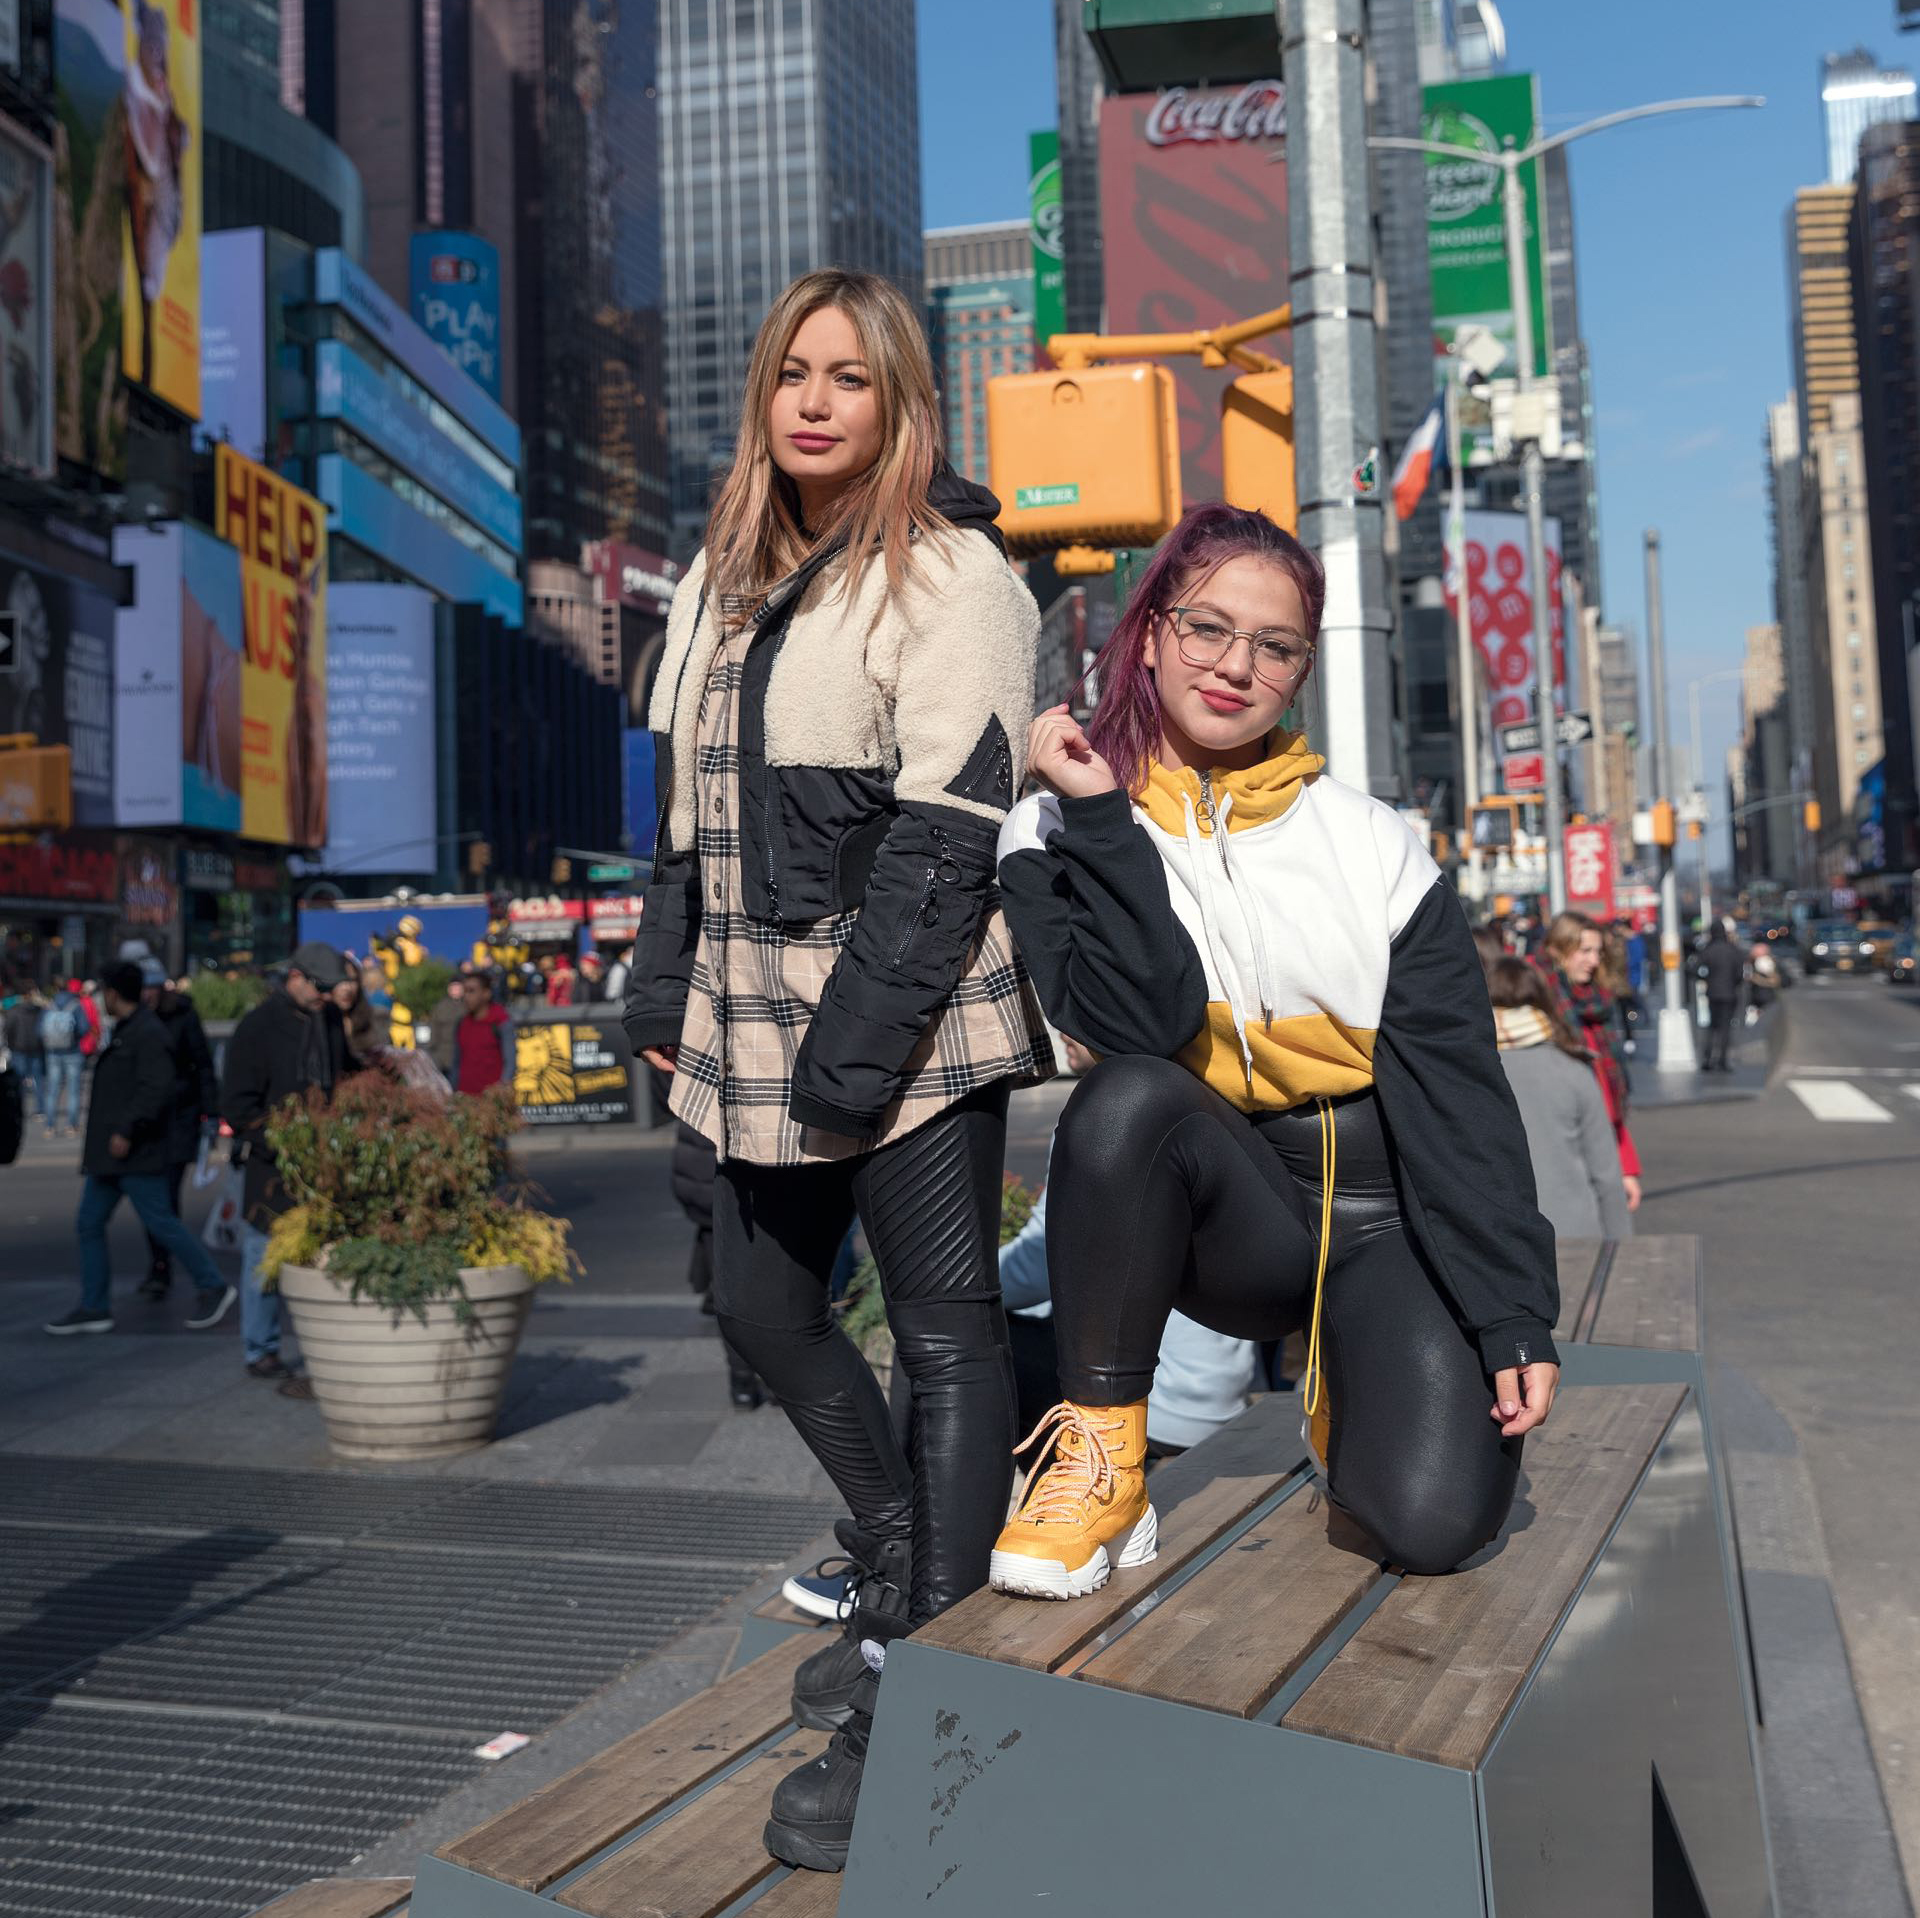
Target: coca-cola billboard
x=1193 y=197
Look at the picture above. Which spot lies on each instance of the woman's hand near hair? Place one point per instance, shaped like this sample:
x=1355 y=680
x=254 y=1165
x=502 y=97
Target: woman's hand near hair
x=1061 y=757
x=1523 y=1396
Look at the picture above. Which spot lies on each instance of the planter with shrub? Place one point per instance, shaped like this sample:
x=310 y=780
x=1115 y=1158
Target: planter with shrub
x=408 y=1262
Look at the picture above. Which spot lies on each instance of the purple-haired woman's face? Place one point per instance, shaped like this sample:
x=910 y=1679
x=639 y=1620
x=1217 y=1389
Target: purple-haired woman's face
x=1211 y=713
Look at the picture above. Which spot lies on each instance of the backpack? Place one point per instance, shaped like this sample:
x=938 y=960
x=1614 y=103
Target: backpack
x=60 y=1027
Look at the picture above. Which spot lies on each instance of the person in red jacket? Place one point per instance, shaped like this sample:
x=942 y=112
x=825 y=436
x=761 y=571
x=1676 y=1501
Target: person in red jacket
x=560 y=982
x=483 y=1038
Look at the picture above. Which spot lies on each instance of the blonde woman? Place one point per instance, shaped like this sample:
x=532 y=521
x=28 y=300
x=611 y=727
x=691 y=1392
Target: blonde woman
x=841 y=712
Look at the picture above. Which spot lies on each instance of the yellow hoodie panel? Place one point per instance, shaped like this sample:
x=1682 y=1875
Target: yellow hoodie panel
x=1260 y=794
x=1307 y=1057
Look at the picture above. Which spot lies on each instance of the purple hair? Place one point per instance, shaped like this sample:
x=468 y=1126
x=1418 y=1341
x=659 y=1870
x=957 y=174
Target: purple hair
x=1125 y=727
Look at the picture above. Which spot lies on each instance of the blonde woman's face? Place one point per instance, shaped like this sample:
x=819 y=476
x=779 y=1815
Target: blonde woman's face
x=1584 y=960
x=825 y=420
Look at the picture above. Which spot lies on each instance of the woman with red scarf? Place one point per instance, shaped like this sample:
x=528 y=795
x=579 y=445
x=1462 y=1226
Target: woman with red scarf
x=1570 y=958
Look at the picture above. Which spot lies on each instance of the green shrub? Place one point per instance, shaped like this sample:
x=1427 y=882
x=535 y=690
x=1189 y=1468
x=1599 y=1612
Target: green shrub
x=420 y=988
x=226 y=995
x=397 y=1189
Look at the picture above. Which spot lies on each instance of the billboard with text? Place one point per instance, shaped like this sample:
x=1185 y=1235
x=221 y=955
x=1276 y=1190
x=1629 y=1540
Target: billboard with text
x=60 y=683
x=233 y=340
x=160 y=290
x=455 y=282
x=1500 y=603
x=26 y=301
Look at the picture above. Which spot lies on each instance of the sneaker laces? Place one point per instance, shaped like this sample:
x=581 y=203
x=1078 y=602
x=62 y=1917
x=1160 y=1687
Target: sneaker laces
x=851 y=1574
x=1081 y=1467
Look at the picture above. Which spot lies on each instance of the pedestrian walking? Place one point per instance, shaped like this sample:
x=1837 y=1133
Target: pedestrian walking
x=1569 y=959
x=482 y=1039
x=195 y=1106
x=63 y=1025
x=561 y=981
x=356 y=1014
x=617 y=976
x=443 y=1023
x=280 y=1050
x=23 y=1041
x=126 y=1156
x=1576 y=1165
x=840 y=713
x=1722 y=968
x=1299 y=1121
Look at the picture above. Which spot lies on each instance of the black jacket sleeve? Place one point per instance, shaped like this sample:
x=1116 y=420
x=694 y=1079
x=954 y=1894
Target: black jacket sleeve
x=197 y=1056
x=1450 y=1114
x=150 y=1087
x=1089 y=907
x=655 y=1006
x=245 y=1092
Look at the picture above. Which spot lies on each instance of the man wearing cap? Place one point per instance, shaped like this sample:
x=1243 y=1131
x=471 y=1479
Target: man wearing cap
x=196 y=1096
x=279 y=1050
x=125 y=1157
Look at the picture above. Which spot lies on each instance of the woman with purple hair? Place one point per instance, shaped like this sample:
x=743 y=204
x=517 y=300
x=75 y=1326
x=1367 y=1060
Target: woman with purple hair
x=1299 y=1120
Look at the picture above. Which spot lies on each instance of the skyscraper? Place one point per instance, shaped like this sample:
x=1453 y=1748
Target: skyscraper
x=1786 y=504
x=1826 y=360
x=1079 y=89
x=767 y=171
x=980 y=305
x=1856 y=93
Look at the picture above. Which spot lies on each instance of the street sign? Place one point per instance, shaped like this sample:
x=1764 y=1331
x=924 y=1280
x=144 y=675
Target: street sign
x=1571 y=729
x=612 y=871
x=1524 y=772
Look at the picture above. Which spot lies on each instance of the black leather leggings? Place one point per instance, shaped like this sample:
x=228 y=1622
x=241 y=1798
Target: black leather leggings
x=930 y=1203
x=1162 y=1195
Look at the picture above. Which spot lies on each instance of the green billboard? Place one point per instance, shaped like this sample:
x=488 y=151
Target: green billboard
x=1044 y=212
x=1466 y=232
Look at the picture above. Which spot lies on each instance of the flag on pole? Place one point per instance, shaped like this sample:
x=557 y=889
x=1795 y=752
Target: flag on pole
x=1424 y=455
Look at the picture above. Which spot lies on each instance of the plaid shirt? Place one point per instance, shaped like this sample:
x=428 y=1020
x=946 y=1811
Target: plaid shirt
x=755 y=986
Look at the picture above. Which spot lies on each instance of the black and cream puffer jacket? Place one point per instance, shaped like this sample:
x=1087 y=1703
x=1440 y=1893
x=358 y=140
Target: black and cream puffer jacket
x=882 y=742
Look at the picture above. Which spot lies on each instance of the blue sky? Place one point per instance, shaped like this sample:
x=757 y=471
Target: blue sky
x=1680 y=231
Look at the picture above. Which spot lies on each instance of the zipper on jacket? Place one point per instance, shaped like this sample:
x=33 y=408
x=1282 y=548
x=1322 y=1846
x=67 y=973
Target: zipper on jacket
x=942 y=870
x=1211 y=815
x=774 y=914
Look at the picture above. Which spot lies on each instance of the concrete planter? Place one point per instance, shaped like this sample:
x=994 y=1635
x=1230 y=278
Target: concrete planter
x=390 y=1387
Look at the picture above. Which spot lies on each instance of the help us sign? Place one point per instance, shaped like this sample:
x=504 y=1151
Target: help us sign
x=454 y=279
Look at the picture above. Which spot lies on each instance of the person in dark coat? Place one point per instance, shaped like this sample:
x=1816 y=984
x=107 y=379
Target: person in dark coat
x=291 y=1041
x=693 y=1164
x=129 y=1123
x=1722 y=966
x=196 y=1101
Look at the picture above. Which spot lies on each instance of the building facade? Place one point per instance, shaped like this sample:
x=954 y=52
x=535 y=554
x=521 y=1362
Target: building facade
x=1786 y=497
x=1764 y=841
x=1079 y=89
x=1820 y=302
x=768 y=170
x=980 y=318
x=1856 y=93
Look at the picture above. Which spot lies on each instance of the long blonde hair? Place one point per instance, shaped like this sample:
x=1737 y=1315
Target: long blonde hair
x=754 y=536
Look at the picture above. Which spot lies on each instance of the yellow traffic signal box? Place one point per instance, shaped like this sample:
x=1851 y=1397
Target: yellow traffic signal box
x=1663 y=822
x=1089 y=457
x=1256 y=445
x=36 y=785
x=1811 y=815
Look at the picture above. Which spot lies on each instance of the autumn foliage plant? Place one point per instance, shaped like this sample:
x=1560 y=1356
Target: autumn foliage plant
x=397 y=1190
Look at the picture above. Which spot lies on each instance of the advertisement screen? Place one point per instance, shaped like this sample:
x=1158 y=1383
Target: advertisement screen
x=26 y=302
x=179 y=679
x=233 y=364
x=160 y=295
x=61 y=686
x=1466 y=231
x=1500 y=601
x=1046 y=216
x=1193 y=193
x=381 y=788
x=570 y=1075
x=280 y=533
x=1590 y=870
x=90 y=194
x=455 y=281
x=643 y=812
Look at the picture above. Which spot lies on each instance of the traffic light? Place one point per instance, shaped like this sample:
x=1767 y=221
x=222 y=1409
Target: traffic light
x=479 y=857
x=1089 y=457
x=1663 y=822
x=1812 y=815
x=1256 y=445
x=562 y=870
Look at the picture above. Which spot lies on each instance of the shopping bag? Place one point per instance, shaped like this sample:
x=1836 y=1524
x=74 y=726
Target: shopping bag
x=221 y=1232
x=206 y=1169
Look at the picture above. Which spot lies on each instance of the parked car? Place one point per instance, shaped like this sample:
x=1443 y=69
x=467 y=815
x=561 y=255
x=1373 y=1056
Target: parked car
x=1877 y=940
x=1903 y=961
x=1835 y=944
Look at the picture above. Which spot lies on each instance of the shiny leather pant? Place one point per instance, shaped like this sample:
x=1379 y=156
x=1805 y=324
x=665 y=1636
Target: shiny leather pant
x=930 y=1206
x=1163 y=1195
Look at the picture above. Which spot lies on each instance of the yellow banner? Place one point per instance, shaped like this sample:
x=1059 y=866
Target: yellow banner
x=281 y=533
x=160 y=279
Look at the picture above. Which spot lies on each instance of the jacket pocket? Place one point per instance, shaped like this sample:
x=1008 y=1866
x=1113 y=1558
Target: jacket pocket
x=987 y=777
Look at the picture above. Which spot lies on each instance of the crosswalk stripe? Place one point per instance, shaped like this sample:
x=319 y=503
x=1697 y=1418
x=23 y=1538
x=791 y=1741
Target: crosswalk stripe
x=1912 y=1091
x=1836 y=1100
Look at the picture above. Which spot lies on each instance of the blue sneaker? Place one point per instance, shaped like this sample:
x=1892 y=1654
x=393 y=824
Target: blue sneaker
x=826 y=1591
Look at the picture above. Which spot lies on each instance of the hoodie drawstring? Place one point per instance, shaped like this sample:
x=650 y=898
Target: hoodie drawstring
x=1315 y=1381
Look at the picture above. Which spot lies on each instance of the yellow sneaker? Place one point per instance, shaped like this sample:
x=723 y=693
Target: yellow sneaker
x=1093 y=1495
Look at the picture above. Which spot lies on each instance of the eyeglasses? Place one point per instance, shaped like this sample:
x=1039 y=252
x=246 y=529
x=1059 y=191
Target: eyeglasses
x=1278 y=657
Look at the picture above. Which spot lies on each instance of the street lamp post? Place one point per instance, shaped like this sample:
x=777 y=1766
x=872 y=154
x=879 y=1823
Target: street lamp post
x=1533 y=461
x=1674 y=1047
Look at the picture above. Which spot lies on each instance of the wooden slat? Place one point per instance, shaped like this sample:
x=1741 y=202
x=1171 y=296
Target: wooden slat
x=1197 y=1496
x=341 y=1898
x=703 y=1858
x=779 y=1612
x=563 y=1824
x=1577 y=1260
x=1235 y=1633
x=1433 y=1672
x=1653 y=1295
x=807 y=1894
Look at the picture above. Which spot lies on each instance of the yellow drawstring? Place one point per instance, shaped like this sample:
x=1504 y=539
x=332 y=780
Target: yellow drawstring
x=1316 y=1374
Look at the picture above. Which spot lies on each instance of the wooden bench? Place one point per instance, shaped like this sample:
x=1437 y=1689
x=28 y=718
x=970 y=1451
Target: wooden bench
x=1265 y=1719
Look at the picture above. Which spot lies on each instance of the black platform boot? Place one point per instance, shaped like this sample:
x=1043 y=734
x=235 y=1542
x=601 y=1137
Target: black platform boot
x=826 y=1684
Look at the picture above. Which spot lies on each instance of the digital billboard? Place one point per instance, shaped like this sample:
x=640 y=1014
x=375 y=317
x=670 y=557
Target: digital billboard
x=60 y=686
x=1193 y=192
x=233 y=340
x=1466 y=223
x=1046 y=224
x=179 y=681
x=281 y=535
x=381 y=783
x=90 y=196
x=1500 y=600
x=161 y=136
x=455 y=283
x=26 y=301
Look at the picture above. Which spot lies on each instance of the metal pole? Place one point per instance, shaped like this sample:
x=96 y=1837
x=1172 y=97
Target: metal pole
x=1533 y=484
x=1675 y=1049
x=1700 y=792
x=1463 y=626
x=1336 y=383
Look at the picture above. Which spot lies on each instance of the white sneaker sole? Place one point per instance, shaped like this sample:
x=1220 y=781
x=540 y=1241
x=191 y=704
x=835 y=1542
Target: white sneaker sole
x=1027 y=1577
x=802 y=1600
